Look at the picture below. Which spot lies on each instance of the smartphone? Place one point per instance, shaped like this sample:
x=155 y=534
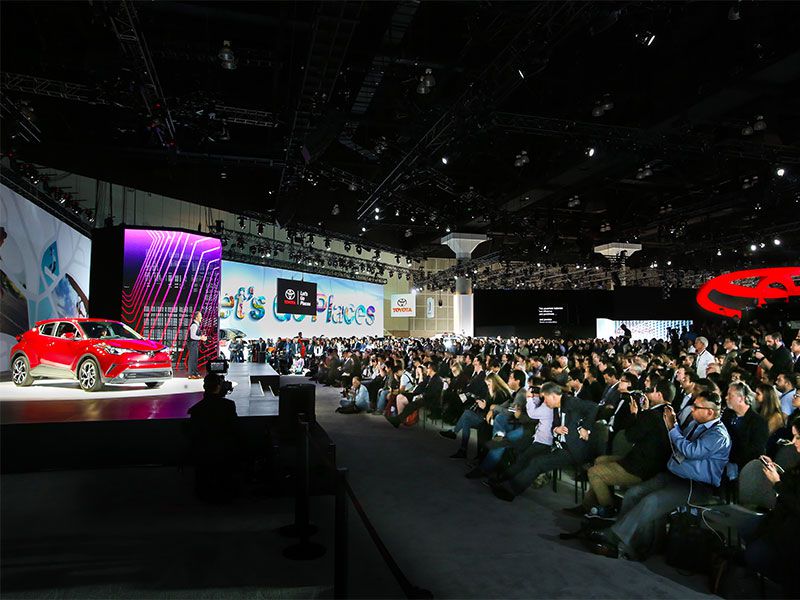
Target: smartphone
x=778 y=468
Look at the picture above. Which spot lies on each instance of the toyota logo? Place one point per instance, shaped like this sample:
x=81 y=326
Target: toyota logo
x=289 y=294
x=402 y=302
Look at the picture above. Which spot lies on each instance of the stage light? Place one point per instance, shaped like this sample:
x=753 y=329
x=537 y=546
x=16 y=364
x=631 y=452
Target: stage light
x=422 y=89
x=521 y=74
x=335 y=210
x=447 y=229
x=363 y=230
x=719 y=252
x=761 y=244
x=444 y=160
x=760 y=124
x=747 y=130
x=412 y=218
x=753 y=247
x=397 y=213
x=377 y=217
x=780 y=171
x=590 y=152
x=776 y=242
x=408 y=233
x=377 y=209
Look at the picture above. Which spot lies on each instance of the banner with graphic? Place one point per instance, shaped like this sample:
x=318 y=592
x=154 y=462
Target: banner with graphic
x=44 y=269
x=403 y=305
x=296 y=297
x=249 y=304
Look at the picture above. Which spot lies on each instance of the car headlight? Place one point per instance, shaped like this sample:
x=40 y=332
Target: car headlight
x=115 y=350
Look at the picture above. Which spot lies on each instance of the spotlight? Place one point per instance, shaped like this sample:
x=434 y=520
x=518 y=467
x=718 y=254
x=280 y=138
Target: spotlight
x=776 y=241
x=377 y=217
x=363 y=230
x=377 y=209
x=521 y=74
x=444 y=160
x=590 y=152
x=753 y=247
x=719 y=252
x=428 y=79
x=447 y=229
x=780 y=171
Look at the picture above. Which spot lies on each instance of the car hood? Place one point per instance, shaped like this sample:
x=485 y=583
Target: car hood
x=137 y=345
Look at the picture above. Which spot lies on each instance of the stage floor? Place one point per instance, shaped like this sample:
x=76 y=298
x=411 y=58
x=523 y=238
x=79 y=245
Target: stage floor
x=62 y=400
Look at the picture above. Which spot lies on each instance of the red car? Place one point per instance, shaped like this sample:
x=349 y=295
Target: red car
x=93 y=351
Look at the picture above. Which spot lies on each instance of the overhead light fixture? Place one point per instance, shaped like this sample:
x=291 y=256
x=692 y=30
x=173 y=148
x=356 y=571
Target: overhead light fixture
x=428 y=79
x=521 y=74
x=444 y=160
x=226 y=56
x=776 y=242
x=363 y=229
x=780 y=171
x=590 y=152
x=753 y=247
x=719 y=252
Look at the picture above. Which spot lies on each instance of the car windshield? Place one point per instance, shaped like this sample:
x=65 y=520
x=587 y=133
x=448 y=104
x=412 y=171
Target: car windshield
x=111 y=330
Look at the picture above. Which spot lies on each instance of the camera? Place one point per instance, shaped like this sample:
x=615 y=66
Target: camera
x=219 y=367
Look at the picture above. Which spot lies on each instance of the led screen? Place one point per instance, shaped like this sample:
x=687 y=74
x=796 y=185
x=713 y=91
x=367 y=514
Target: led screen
x=640 y=330
x=167 y=277
x=248 y=303
x=44 y=269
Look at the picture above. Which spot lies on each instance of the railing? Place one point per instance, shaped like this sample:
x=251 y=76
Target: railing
x=305 y=549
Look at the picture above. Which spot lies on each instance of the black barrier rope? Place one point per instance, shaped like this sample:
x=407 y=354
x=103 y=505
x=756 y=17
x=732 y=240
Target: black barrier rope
x=409 y=589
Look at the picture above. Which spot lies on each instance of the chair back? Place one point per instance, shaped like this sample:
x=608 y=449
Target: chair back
x=755 y=490
x=598 y=439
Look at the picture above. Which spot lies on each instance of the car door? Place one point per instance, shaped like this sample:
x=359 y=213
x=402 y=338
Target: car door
x=62 y=350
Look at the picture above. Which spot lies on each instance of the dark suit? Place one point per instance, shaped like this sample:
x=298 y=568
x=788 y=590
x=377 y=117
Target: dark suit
x=591 y=391
x=781 y=360
x=609 y=402
x=477 y=385
x=574 y=451
x=748 y=436
x=651 y=448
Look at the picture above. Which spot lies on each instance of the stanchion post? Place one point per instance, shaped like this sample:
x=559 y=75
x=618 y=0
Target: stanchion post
x=304 y=549
x=341 y=560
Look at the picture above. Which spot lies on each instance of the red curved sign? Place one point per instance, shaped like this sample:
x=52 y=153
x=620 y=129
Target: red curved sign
x=723 y=296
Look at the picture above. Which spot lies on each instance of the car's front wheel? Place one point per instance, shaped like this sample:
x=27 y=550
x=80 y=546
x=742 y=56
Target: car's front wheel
x=154 y=384
x=89 y=376
x=21 y=372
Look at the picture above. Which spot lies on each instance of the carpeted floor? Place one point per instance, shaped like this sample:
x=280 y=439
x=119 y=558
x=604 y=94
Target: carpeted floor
x=451 y=536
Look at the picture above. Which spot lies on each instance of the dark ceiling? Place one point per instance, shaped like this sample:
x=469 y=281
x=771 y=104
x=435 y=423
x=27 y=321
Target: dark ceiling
x=323 y=110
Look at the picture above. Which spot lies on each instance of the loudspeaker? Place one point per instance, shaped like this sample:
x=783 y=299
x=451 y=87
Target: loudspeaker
x=295 y=399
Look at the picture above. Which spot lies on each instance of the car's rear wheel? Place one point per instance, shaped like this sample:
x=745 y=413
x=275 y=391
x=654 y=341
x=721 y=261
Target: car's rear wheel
x=21 y=372
x=89 y=376
x=154 y=384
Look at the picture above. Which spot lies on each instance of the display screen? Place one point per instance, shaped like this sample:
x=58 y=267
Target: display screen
x=641 y=329
x=342 y=307
x=168 y=276
x=553 y=315
x=44 y=269
x=296 y=297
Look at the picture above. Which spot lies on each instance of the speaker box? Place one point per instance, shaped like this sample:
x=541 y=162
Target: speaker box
x=295 y=399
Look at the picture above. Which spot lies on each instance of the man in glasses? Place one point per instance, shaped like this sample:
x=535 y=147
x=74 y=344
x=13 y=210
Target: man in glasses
x=700 y=451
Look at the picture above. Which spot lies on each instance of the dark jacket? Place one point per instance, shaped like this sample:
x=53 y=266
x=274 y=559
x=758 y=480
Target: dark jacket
x=591 y=391
x=213 y=429
x=651 y=448
x=477 y=385
x=577 y=413
x=431 y=390
x=748 y=437
x=781 y=360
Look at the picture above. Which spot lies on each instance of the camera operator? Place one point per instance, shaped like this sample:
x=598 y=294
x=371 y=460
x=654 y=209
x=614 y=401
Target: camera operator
x=217 y=446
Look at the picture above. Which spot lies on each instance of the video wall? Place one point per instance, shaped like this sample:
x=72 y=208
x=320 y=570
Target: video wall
x=167 y=277
x=640 y=330
x=248 y=303
x=44 y=269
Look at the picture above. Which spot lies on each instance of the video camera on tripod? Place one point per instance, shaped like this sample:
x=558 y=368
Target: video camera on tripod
x=219 y=367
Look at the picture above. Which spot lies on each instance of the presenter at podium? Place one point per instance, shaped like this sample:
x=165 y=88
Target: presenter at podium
x=195 y=337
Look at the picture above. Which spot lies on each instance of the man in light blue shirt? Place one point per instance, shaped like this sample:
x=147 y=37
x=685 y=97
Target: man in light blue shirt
x=357 y=394
x=786 y=384
x=700 y=452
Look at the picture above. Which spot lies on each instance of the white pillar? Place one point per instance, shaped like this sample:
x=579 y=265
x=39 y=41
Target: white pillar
x=463 y=244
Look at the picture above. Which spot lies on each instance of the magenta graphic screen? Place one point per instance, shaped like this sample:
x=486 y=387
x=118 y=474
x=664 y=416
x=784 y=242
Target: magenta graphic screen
x=167 y=277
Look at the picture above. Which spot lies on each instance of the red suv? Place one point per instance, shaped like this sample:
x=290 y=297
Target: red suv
x=93 y=351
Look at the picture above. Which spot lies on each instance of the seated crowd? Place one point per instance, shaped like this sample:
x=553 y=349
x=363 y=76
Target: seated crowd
x=670 y=424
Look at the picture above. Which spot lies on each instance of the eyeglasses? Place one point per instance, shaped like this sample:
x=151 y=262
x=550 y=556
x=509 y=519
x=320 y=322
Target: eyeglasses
x=696 y=407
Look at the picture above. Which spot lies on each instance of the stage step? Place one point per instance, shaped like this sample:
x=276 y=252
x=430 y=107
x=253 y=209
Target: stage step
x=255 y=390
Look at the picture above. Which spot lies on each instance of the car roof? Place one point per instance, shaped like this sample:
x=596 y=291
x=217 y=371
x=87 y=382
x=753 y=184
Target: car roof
x=76 y=320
